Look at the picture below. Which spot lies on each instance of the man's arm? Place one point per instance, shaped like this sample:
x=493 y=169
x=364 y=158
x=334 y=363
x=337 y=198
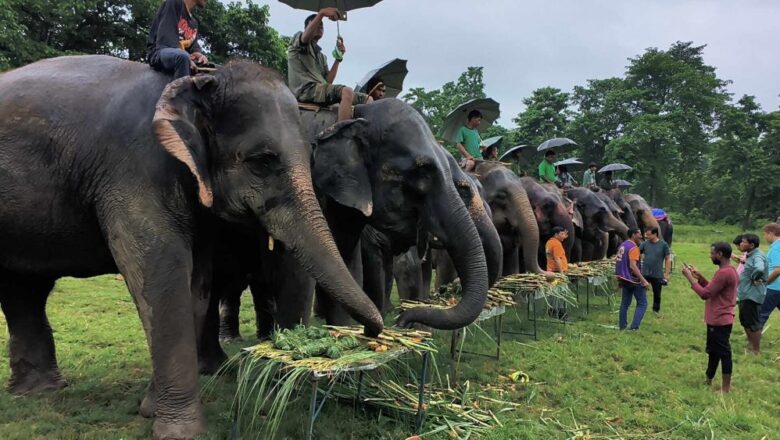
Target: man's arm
x=707 y=290
x=773 y=276
x=463 y=151
x=555 y=260
x=310 y=30
x=667 y=266
x=637 y=273
x=168 y=27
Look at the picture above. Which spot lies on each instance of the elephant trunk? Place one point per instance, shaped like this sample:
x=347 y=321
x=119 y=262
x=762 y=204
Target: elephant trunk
x=448 y=218
x=604 y=246
x=620 y=228
x=488 y=235
x=314 y=248
x=529 y=228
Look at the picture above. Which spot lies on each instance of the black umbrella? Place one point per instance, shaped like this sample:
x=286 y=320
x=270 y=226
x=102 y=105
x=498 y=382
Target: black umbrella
x=620 y=183
x=341 y=5
x=392 y=74
x=458 y=117
x=571 y=162
x=615 y=167
x=516 y=151
x=555 y=143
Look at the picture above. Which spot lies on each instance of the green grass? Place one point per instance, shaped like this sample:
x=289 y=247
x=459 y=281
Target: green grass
x=587 y=378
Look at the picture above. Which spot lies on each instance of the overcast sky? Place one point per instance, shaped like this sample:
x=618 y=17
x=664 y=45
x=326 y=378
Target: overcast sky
x=524 y=45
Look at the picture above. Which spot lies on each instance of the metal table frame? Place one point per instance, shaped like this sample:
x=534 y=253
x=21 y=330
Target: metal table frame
x=532 y=297
x=459 y=335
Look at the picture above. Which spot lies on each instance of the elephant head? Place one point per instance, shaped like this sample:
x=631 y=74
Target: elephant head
x=550 y=211
x=473 y=195
x=627 y=214
x=597 y=217
x=238 y=132
x=643 y=212
x=513 y=215
x=387 y=165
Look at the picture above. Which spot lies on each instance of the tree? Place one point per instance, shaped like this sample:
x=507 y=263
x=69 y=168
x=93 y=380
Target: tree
x=436 y=104
x=546 y=115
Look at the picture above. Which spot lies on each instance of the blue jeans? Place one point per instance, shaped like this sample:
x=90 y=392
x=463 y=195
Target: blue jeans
x=771 y=302
x=176 y=61
x=632 y=291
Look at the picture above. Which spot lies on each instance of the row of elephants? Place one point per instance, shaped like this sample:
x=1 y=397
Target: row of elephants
x=196 y=188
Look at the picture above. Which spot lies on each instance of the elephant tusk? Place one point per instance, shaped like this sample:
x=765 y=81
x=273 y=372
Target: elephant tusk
x=270 y=243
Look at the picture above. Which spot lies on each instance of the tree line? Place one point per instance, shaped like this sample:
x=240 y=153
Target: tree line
x=694 y=148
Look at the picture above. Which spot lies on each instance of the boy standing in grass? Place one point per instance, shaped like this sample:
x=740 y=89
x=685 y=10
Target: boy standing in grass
x=719 y=295
x=631 y=280
x=752 y=290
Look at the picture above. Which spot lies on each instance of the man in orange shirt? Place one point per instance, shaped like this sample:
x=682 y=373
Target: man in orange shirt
x=556 y=262
x=556 y=256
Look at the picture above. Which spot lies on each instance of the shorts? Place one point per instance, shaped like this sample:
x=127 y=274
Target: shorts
x=718 y=339
x=327 y=94
x=748 y=315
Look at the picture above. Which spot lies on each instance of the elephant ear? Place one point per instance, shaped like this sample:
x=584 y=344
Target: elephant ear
x=339 y=168
x=176 y=116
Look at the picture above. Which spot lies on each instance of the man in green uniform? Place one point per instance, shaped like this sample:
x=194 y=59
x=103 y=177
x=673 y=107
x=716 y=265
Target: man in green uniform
x=547 y=169
x=307 y=68
x=468 y=141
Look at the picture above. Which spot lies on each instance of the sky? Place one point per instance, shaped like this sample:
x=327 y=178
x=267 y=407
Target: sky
x=524 y=45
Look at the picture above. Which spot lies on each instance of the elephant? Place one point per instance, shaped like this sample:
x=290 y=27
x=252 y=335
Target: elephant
x=643 y=212
x=597 y=222
x=513 y=217
x=105 y=166
x=390 y=192
x=550 y=212
x=667 y=229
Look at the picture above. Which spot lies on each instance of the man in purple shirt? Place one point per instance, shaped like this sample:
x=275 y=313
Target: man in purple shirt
x=629 y=276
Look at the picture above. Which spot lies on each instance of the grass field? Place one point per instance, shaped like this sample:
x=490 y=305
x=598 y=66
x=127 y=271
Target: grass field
x=588 y=378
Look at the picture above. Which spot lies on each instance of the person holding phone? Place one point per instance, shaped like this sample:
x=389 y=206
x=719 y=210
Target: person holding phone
x=633 y=283
x=656 y=264
x=308 y=74
x=720 y=296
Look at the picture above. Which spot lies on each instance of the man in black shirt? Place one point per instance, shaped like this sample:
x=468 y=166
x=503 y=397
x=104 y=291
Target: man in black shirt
x=172 y=45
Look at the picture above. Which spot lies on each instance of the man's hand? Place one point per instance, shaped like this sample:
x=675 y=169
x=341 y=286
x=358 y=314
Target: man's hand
x=340 y=46
x=332 y=13
x=199 y=58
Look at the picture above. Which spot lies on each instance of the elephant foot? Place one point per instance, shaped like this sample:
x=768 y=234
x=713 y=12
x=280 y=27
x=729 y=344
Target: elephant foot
x=33 y=381
x=180 y=430
x=149 y=404
x=230 y=339
x=208 y=365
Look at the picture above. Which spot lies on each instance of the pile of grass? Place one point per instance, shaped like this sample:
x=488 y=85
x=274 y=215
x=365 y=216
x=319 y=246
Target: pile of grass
x=535 y=285
x=271 y=372
x=451 y=294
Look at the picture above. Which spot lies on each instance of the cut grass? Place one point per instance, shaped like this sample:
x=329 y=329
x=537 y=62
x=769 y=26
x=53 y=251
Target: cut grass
x=586 y=379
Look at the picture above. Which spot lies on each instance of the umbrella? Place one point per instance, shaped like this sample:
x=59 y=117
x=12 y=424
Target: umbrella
x=494 y=141
x=392 y=74
x=615 y=167
x=341 y=5
x=555 y=143
x=458 y=117
x=571 y=162
x=621 y=183
x=519 y=150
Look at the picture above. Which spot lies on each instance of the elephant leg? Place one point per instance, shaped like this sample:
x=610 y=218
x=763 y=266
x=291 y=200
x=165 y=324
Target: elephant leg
x=511 y=260
x=31 y=344
x=160 y=280
x=445 y=269
x=427 y=273
x=206 y=312
x=388 y=285
x=373 y=269
x=284 y=296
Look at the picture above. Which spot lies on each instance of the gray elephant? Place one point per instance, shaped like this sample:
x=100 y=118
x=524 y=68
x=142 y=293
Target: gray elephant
x=550 y=211
x=643 y=212
x=513 y=217
x=597 y=222
x=104 y=167
x=396 y=189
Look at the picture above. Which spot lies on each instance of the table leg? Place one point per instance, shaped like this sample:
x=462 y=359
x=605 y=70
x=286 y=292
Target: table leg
x=315 y=385
x=499 y=332
x=421 y=395
x=359 y=390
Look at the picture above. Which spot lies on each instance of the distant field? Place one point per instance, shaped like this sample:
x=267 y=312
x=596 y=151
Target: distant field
x=586 y=379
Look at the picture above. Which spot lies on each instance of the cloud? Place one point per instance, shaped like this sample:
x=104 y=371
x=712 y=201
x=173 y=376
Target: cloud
x=524 y=45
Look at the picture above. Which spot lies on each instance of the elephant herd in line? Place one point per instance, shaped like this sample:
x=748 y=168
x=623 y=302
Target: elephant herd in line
x=194 y=189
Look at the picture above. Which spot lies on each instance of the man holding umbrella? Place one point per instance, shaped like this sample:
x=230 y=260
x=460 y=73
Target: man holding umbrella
x=589 y=176
x=307 y=68
x=468 y=141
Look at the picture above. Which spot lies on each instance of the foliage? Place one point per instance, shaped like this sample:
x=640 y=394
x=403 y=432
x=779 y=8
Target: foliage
x=34 y=29
x=435 y=104
x=546 y=116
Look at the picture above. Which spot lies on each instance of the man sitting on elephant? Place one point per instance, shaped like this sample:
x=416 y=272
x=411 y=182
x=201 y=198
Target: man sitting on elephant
x=307 y=68
x=172 y=45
